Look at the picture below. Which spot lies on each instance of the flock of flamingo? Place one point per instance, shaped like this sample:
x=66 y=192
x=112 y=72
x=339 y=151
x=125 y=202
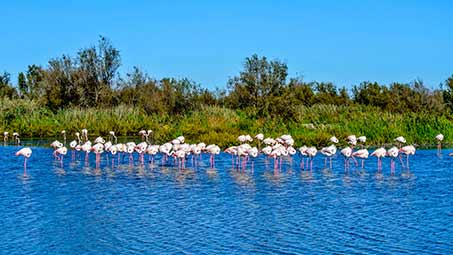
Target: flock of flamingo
x=242 y=155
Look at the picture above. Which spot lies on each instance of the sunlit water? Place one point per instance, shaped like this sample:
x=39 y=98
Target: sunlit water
x=161 y=210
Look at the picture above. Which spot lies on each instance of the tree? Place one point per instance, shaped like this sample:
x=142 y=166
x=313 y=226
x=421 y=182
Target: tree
x=448 y=92
x=300 y=92
x=258 y=83
x=6 y=90
x=35 y=84
x=97 y=68
x=22 y=84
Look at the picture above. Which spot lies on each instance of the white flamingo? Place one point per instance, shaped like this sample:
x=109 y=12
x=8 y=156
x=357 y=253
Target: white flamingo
x=379 y=153
x=408 y=150
x=439 y=139
x=361 y=154
x=26 y=153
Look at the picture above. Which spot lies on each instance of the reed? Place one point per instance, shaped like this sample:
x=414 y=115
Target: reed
x=311 y=125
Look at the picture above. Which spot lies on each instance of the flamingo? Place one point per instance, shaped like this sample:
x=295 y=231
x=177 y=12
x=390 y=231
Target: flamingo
x=392 y=153
x=329 y=152
x=181 y=139
x=269 y=141
x=379 y=153
x=77 y=134
x=260 y=138
x=361 y=140
x=26 y=153
x=16 y=138
x=276 y=154
x=334 y=139
x=142 y=133
x=213 y=150
x=148 y=133
x=141 y=149
x=400 y=140
x=63 y=132
x=311 y=152
x=55 y=145
x=59 y=153
x=253 y=152
x=242 y=152
x=112 y=134
x=347 y=154
x=352 y=140
x=408 y=150
x=233 y=151
x=291 y=152
x=303 y=153
x=85 y=134
x=196 y=151
x=98 y=149
x=181 y=156
x=86 y=147
x=362 y=154
x=5 y=136
x=242 y=138
x=73 y=144
x=152 y=151
x=99 y=139
x=113 y=150
x=165 y=150
x=439 y=138
x=130 y=148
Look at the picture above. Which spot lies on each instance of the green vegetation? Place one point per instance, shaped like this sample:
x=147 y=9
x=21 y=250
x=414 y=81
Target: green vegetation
x=86 y=92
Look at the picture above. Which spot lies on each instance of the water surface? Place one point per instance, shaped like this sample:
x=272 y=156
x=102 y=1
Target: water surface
x=77 y=209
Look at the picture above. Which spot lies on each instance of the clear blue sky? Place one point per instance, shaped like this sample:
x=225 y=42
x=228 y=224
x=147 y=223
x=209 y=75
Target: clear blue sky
x=345 y=42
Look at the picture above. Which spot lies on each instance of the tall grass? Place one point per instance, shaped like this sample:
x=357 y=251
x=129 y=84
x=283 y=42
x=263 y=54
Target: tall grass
x=312 y=125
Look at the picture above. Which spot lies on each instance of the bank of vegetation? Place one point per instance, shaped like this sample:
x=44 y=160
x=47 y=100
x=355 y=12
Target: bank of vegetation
x=85 y=91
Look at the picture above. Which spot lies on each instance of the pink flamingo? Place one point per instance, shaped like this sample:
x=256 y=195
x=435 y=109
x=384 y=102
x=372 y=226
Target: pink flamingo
x=73 y=146
x=113 y=150
x=329 y=152
x=26 y=153
x=233 y=151
x=152 y=150
x=253 y=152
x=86 y=147
x=213 y=150
x=141 y=149
x=98 y=149
x=303 y=153
x=311 y=152
x=393 y=154
x=379 y=153
x=347 y=154
x=181 y=156
x=59 y=153
x=362 y=154
x=408 y=150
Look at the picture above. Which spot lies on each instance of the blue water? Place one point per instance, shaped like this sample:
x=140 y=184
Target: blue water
x=160 y=210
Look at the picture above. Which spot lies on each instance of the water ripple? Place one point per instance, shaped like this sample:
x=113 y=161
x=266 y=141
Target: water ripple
x=155 y=209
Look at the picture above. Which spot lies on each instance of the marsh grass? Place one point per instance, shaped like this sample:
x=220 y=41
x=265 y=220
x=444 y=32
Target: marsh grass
x=311 y=125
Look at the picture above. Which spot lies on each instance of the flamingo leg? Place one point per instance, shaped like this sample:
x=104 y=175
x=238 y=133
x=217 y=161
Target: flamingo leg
x=25 y=166
x=401 y=160
x=407 y=162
